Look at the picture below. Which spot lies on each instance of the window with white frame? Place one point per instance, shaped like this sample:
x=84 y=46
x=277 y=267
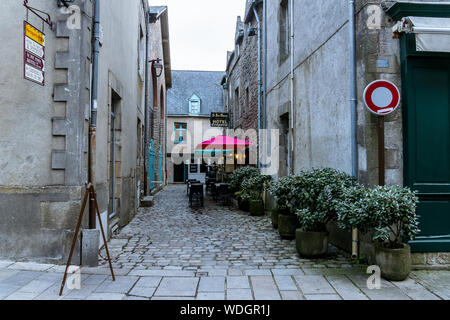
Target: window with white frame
x=194 y=105
x=180 y=133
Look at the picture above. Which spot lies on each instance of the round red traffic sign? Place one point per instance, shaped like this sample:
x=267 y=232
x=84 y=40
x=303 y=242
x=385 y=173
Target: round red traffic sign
x=382 y=97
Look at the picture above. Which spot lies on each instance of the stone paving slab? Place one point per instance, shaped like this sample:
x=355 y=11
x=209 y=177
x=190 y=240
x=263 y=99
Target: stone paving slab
x=177 y=287
x=345 y=288
x=239 y=294
x=310 y=285
x=212 y=284
x=291 y=295
x=264 y=288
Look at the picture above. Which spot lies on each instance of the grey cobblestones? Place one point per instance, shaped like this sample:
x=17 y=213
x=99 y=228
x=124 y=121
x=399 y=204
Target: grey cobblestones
x=170 y=251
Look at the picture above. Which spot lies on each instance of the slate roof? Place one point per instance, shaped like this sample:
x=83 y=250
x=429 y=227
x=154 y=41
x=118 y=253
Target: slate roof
x=205 y=84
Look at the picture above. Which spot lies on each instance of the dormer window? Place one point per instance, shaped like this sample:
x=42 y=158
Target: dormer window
x=194 y=105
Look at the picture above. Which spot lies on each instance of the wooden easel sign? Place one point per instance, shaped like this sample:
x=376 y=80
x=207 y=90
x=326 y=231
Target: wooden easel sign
x=90 y=191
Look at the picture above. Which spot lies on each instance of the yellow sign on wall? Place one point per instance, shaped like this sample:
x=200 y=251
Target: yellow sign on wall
x=34 y=34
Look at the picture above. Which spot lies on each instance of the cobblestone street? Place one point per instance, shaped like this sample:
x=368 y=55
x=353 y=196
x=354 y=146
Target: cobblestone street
x=171 y=251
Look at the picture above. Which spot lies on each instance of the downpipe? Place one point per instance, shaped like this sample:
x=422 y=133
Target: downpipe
x=352 y=51
x=259 y=85
x=94 y=107
x=292 y=123
x=147 y=55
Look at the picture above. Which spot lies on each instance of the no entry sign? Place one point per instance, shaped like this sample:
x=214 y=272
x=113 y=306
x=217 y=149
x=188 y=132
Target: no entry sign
x=382 y=97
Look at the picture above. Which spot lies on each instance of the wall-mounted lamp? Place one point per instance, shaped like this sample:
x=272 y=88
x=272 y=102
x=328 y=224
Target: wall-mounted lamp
x=157 y=65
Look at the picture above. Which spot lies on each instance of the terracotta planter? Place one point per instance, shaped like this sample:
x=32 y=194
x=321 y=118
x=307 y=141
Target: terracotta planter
x=395 y=264
x=287 y=224
x=274 y=216
x=257 y=208
x=311 y=244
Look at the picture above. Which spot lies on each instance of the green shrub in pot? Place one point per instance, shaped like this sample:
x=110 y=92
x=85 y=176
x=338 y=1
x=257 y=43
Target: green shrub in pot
x=390 y=213
x=287 y=221
x=240 y=175
x=252 y=189
x=317 y=193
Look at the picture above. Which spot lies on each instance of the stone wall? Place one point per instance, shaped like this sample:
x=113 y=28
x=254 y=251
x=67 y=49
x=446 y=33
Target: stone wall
x=321 y=109
x=242 y=74
x=157 y=102
x=44 y=129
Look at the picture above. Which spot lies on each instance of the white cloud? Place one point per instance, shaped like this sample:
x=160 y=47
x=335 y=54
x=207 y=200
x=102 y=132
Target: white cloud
x=201 y=32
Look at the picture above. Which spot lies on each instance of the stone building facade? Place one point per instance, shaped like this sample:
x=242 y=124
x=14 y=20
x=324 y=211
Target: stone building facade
x=160 y=82
x=45 y=129
x=191 y=100
x=242 y=79
x=308 y=101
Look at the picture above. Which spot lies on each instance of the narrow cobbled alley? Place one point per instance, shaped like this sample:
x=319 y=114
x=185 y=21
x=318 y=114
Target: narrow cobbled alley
x=170 y=251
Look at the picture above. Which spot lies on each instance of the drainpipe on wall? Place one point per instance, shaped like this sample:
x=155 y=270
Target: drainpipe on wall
x=259 y=83
x=292 y=123
x=352 y=51
x=94 y=106
x=147 y=55
x=265 y=66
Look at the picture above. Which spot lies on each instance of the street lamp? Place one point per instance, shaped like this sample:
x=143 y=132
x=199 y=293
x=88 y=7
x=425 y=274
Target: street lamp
x=157 y=65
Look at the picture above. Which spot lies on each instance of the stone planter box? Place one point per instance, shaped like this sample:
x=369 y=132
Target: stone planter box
x=395 y=264
x=311 y=244
x=287 y=224
x=257 y=208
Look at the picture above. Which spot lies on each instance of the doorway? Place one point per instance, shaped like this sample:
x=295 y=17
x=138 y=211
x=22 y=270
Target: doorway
x=115 y=170
x=427 y=148
x=179 y=173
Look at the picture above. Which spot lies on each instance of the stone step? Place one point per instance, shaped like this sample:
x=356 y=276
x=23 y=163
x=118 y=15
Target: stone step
x=147 y=202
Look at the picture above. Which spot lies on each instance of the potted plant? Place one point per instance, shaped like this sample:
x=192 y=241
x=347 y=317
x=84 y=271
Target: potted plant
x=274 y=214
x=318 y=191
x=287 y=220
x=252 y=189
x=236 y=180
x=390 y=213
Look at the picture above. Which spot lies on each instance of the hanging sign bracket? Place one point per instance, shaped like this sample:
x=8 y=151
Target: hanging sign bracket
x=37 y=12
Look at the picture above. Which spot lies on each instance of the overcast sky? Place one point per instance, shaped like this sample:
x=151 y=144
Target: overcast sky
x=201 y=32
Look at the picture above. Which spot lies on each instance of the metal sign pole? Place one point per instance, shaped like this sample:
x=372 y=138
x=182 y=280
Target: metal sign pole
x=381 y=152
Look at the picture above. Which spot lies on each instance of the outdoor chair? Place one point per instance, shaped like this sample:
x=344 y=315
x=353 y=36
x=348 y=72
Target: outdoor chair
x=223 y=194
x=196 y=195
x=188 y=184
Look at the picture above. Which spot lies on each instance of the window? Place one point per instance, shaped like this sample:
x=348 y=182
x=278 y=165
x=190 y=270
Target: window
x=247 y=99
x=236 y=102
x=284 y=29
x=180 y=132
x=142 y=54
x=194 y=105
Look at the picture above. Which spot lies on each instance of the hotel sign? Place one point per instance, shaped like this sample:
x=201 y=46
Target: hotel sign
x=220 y=120
x=34 y=54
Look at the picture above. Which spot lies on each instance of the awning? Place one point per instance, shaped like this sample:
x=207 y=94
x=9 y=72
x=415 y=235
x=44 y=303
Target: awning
x=218 y=143
x=432 y=34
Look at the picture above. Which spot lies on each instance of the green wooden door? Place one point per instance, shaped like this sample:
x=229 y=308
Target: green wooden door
x=427 y=148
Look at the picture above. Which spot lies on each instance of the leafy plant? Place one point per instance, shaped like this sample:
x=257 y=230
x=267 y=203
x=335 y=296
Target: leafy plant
x=252 y=188
x=389 y=211
x=317 y=194
x=283 y=191
x=239 y=175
